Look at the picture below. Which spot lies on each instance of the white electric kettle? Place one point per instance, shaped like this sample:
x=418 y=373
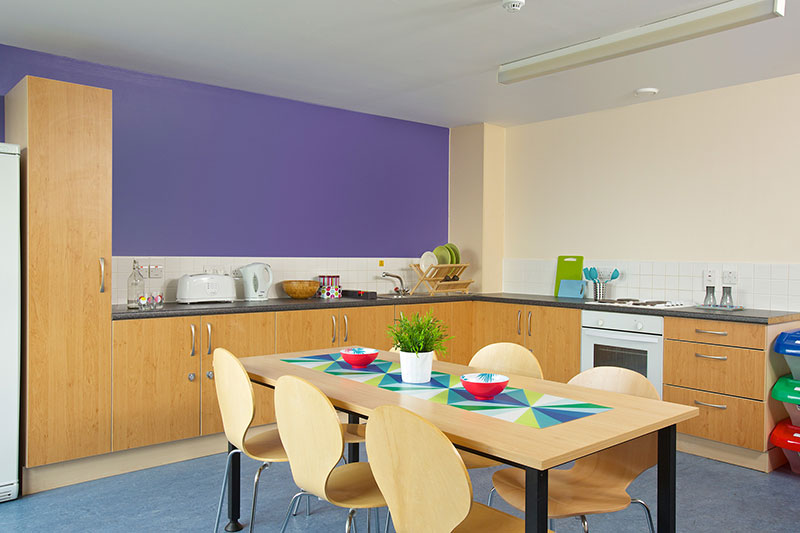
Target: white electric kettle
x=257 y=279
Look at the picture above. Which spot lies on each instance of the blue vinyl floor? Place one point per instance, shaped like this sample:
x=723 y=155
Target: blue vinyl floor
x=712 y=496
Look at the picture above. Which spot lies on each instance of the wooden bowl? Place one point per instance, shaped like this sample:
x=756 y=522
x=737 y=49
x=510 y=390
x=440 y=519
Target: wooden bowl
x=300 y=289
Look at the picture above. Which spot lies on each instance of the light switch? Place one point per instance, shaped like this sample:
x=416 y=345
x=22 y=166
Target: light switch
x=156 y=271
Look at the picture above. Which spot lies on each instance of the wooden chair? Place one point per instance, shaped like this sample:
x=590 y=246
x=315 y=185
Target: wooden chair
x=597 y=483
x=237 y=407
x=423 y=478
x=314 y=442
x=501 y=358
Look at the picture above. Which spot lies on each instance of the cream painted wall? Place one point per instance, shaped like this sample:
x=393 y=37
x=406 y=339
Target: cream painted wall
x=494 y=170
x=713 y=176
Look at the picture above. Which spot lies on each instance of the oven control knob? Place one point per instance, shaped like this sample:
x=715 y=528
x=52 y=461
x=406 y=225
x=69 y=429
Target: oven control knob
x=639 y=325
x=600 y=322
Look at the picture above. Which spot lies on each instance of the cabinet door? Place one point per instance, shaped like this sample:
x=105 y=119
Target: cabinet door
x=65 y=132
x=459 y=348
x=156 y=381
x=366 y=326
x=554 y=336
x=306 y=330
x=243 y=335
x=497 y=322
x=442 y=311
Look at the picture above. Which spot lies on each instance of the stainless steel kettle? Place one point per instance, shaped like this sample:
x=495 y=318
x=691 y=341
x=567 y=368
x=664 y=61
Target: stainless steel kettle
x=257 y=279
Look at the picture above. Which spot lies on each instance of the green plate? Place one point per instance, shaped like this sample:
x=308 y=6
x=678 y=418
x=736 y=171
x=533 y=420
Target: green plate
x=456 y=253
x=442 y=255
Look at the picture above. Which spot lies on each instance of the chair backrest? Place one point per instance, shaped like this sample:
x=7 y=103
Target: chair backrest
x=310 y=432
x=623 y=463
x=507 y=357
x=419 y=472
x=234 y=394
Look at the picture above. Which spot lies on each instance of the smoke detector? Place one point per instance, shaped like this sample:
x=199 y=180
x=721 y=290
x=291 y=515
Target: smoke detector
x=513 y=6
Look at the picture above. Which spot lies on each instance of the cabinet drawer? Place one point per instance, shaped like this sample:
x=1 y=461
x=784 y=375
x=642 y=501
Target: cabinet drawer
x=734 y=421
x=735 y=371
x=715 y=332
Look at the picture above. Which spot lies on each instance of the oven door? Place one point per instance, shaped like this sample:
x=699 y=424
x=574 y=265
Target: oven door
x=639 y=352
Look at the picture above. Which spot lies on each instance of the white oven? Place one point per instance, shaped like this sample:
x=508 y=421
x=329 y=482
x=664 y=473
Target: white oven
x=626 y=340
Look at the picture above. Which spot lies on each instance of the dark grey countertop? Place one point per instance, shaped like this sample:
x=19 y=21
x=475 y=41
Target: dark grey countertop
x=752 y=316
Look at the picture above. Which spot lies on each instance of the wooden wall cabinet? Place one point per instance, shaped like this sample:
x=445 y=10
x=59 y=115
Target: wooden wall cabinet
x=243 y=335
x=65 y=132
x=553 y=334
x=156 y=381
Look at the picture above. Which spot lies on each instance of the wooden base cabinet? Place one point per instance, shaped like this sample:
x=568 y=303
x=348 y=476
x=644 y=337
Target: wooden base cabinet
x=243 y=335
x=366 y=326
x=553 y=334
x=156 y=381
x=65 y=133
x=457 y=316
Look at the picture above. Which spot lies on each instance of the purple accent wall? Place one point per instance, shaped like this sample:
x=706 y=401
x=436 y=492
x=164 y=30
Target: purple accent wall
x=203 y=171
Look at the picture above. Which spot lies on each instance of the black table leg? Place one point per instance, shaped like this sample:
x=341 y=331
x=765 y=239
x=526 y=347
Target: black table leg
x=352 y=448
x=535 y=501
x=666 y=479
x=234 y=488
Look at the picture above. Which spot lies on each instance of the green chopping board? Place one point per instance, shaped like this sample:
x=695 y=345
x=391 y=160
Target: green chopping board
x=568 y=267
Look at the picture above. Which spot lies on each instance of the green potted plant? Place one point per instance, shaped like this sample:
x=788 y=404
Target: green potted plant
x=418 y=338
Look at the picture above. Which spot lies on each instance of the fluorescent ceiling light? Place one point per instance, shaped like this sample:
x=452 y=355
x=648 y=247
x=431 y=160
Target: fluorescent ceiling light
x=704 y=21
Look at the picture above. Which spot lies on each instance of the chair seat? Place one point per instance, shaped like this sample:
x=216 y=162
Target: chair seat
x=483 y=518
x=264 y=444
x=567 y=496
x=472 y=460
x=354 y=433
x=352 y=485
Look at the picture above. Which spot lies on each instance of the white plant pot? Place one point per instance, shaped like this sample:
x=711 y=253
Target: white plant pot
x=416 y=368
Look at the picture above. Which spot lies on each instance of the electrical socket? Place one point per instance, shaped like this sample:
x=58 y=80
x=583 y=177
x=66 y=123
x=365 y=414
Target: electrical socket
x=156 y=271
x=208 y=269
x=235 y=272
x=729 y=278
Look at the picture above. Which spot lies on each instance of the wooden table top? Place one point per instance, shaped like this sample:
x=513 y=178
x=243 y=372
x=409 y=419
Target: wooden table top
x=630 y=416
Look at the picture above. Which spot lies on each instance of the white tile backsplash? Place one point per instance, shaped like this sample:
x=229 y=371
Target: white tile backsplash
x=760 y=285
x=355 y=273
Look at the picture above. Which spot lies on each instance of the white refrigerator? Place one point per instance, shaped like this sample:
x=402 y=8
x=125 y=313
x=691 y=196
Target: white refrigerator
x=10 y=333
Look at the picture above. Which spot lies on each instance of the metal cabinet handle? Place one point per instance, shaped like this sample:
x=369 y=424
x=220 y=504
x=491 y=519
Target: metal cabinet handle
x=529 y=323
x=193 y=338
x=333 y=318
x=102 y=274
x=191 y=376
x=715 y=357
x=210 y=374
x=209 y=338
x=722 y=333
x=698 y=402
x=519 y=320
x=346 y=329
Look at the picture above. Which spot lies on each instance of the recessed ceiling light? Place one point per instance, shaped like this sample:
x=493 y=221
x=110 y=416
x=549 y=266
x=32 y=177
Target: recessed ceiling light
x=646 y=91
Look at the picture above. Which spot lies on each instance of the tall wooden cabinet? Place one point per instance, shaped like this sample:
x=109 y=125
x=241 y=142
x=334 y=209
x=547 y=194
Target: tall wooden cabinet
x=551 y=333
x=66 y=138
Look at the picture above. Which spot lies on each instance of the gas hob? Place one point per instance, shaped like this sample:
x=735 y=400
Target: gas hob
x=634 y=302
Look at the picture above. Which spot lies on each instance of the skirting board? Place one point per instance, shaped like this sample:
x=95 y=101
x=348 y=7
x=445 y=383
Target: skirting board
x=57 y=475
x=762 y=461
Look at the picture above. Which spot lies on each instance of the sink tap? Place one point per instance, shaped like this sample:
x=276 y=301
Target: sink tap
x=403 y=289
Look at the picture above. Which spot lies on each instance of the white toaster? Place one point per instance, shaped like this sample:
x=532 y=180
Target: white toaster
x=194 y=288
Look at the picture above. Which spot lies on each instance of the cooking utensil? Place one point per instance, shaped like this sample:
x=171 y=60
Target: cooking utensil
x=568 y=267
x=593 y=272
x=614 y=275
x=587 y=274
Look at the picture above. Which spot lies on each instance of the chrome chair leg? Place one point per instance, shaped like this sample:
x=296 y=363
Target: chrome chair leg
x=491 y=494
x=584 y=523
x=294 y=499
x=552 y=524
x=388 y=518
x=255 y=493
x=297 y=506
x=351 y=521
x=224 y=485
x=646 y=512
x=308 y=505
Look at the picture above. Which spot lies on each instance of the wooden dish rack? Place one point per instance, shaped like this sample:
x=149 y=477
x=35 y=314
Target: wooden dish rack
x=434 y=278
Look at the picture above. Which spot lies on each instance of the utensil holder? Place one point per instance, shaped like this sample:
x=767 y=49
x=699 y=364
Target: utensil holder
x=599 y=290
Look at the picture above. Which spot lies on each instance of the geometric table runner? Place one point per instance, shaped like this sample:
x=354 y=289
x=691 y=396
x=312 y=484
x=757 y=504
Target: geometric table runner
x=520 y=406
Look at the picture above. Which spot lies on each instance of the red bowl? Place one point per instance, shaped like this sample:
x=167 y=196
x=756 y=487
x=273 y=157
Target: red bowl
x=484 y=386
x=359 y=357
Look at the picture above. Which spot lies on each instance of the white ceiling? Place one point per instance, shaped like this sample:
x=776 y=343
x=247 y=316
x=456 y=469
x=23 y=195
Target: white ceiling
x=432 y=61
